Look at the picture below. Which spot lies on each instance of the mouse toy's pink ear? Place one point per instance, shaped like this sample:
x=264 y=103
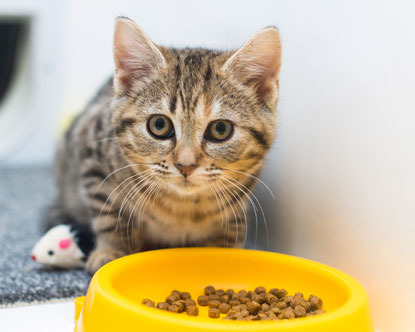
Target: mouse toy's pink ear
x=65 y=243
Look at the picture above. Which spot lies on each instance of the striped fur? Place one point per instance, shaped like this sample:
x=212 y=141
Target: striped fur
x=113 y=175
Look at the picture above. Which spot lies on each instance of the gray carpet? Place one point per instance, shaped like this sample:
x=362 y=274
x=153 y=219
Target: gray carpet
x=23 y=195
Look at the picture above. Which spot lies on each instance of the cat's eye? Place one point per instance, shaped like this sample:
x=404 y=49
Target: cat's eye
x=160 y=126
x=219 y=131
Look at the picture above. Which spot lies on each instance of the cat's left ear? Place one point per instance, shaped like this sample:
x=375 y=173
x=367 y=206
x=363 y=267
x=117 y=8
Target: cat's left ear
x=257 y=63
x=136 y=57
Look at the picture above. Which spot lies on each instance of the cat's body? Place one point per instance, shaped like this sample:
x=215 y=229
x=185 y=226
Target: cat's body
x=151 y=160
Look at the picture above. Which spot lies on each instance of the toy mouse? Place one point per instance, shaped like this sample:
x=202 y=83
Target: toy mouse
x=64 y=246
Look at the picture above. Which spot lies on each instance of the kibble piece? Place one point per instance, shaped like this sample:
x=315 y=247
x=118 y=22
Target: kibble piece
x=253 y=307
x=162 y=306
x=275 y=310
x=214 y=313
x=237 y=308
x=244 y=300
x=238 y=316
x=307 y=306
x=181 y=305
x=224 y=298
x=260 y=290
x=203 y=300
x=244 y=313
x=299 y=311
x=316 y=302
x=173 y=308
x=220 y=292
x=209 y=290
x=265 y=307
x=214 y=304
x=251 y=294
x=148 y=303
x=235 y=296
x=230 y=292
x=273 y=291
x=192 y=310
x=258 y=298
x=233 y=303
x=297 y=301
x=287 y=299
x=281 y=293
x=176 y=293
x=282 y=305
x=214 y=297
x=317 y=312
x=272 y=316
x=231 y=315
x=269 y=298
x=185 y=296
x=171 y=298
x=190 y=302
x=298 y=294
x=243 y=307
x=224 y=308
x=288 y=313
x=251 y=317
x=263 y=316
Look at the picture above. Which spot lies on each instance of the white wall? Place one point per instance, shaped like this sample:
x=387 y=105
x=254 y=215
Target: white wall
x=343 y=166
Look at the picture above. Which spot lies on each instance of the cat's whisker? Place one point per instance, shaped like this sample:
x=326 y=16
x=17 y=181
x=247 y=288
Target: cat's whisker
x=146 y=199
x=254 y=177
x=243 y=209
x=160 y=187
x=147 y=181
x=226 y=214
x=141 y=177
x=140 y=202
x=229 y=200
x=132 y=191
x=254 y=208
x=98 y=141
x=219 y=203
x=259 y=204
x=227 y=219
x=118 y=170
x=142 y=206
x=130 y=179
x=227 y=224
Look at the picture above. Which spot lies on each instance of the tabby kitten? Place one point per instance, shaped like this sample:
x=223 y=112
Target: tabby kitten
x=169 y=150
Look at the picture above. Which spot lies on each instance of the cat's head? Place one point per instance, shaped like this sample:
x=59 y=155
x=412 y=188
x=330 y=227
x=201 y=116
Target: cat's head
x=193 y=117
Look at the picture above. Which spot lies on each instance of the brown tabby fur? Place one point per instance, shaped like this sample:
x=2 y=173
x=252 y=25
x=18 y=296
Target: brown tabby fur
x=113 y=175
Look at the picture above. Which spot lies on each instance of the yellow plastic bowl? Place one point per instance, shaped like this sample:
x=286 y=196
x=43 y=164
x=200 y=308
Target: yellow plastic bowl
x=113 y=300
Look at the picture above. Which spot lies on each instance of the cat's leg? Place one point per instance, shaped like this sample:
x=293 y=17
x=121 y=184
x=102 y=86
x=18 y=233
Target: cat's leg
x=112 y=241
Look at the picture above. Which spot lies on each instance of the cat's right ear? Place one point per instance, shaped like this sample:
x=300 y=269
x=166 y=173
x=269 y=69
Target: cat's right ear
x=136 y=57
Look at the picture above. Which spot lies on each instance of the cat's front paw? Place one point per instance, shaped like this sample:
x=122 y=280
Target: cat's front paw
x=100 y=257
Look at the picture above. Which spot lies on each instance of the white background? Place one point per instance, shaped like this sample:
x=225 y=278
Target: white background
x=343 y=166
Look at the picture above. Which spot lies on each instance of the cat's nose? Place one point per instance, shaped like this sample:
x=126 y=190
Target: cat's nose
x=186 y=170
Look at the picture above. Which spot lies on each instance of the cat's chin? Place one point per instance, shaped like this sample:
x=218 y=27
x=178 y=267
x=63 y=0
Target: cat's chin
x=186 y=187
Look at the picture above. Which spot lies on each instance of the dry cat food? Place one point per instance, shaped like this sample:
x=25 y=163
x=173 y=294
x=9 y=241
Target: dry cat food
x=258 y=304
x=176 y=302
